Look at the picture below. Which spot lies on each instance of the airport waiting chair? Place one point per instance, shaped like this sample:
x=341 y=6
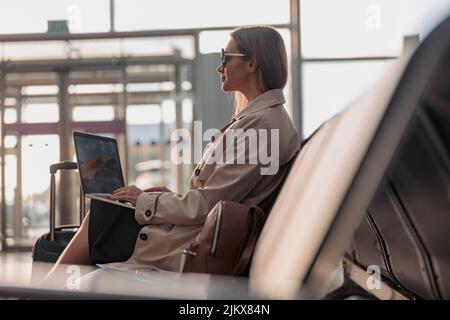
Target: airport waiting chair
x=374 y=182
x=405 y=228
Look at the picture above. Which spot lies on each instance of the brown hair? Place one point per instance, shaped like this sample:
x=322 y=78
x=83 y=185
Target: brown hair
x=267 y=46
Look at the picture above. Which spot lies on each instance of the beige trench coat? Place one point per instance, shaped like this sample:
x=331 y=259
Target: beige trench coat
x=172 y=220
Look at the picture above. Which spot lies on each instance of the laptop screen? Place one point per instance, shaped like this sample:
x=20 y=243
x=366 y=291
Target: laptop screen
x=98 y=163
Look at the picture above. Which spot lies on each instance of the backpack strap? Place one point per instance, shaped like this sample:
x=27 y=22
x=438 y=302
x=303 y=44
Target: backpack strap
x=258 y=217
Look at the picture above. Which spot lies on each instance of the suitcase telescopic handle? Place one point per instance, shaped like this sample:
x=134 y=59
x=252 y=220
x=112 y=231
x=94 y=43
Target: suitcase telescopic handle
x=64 y=165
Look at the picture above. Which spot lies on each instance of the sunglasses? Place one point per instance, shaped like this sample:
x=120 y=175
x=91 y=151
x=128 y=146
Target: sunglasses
x=225 y=57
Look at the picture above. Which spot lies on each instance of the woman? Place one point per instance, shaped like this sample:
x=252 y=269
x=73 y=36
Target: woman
x=253 y=66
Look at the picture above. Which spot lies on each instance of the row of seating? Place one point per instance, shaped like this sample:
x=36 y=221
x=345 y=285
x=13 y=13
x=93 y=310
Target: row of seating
x=373 y=185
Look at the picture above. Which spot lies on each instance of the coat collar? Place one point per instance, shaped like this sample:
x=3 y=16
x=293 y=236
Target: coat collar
x=267 y=99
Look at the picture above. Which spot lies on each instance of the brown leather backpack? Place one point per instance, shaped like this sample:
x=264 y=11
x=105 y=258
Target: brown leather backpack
x=226 y=243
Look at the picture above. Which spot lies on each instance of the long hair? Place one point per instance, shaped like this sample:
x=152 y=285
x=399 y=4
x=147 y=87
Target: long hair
x=267 y=46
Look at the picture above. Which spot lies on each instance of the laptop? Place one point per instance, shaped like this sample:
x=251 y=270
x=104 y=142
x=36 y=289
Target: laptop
x=99 y=166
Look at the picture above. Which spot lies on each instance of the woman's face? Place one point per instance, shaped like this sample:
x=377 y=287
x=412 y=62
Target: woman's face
x=234 y=76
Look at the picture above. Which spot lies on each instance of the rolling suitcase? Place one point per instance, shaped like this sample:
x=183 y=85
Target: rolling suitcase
x=49 y=246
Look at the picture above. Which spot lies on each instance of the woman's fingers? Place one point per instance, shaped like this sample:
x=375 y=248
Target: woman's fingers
x=126 y=189
x=134 y=188
x=118 y=195
x=129 y=194
x=157 y=189
x=119 y=190
x=124 y=197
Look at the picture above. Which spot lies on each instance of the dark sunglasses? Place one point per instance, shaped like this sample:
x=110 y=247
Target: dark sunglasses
x=226 y=56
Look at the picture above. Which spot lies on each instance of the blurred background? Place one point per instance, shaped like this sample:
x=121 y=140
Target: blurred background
x=136 y=70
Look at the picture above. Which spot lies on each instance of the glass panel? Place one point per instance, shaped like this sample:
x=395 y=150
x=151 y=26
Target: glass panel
x=170 y=14
x=168 y=111
x=213 y=41
x=10 y=176
x=10 y=141
x=350 y=28
x=40 y=112
x=38 y=90
x=10 y=115
x=143 y=114
x=164 y=69
x=93 y=113
x=95 y=88
x=147 y=148
x=10 y=191
x=422 y=17
x=365 y=27
x=329 y=87
x=38 y=152
x=151 y=87
x=187 y=112
x=24 y=16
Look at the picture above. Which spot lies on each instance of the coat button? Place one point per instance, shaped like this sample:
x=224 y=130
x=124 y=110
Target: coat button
x=148 y=213
x=197 y=172
x=143 y=236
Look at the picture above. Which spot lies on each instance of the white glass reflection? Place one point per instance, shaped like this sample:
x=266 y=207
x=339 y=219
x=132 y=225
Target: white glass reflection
x=143 y=114
x=350 y=28
x=40 y=112
x=187 y=111
x=329 y=87
x=168 y=111
x=10 y=115
x=93 y=113
x=24 y=16
x=95 y=88
x=171 y=14
x=39 y=90
x=10 y=178
x=10 y=141
x=38 y=153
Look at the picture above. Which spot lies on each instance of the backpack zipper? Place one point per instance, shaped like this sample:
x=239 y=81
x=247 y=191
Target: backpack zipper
x=217 y=229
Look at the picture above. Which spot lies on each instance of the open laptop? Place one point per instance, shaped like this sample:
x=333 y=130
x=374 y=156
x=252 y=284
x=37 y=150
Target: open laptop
x=99 y=166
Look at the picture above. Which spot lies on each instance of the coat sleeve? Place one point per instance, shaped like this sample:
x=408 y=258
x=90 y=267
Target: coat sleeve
x=230 y=181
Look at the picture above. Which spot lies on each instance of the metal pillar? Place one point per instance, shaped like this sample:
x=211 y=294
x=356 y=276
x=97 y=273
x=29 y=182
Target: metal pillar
x=2 y=160
x=111 y=16
x=18 y=223
x=122 y=115
x=296 y=66
x=66 y=188
x=178 y=124
x=161 y=147
x=196 y=101
x=17 y=216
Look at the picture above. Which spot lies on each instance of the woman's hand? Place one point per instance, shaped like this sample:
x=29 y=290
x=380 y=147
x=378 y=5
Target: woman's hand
x=129 y=194
x=157 y=189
